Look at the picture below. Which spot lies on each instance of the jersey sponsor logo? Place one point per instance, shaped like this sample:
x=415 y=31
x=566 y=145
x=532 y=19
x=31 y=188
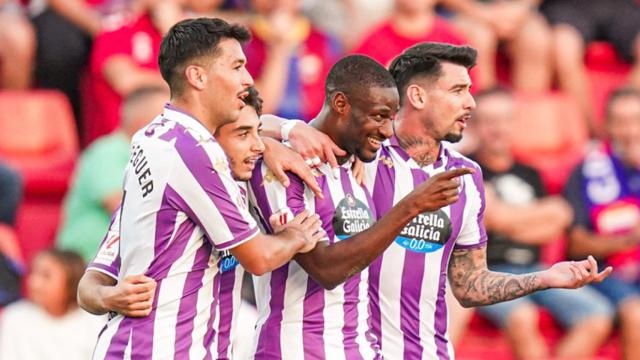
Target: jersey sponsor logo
x=109 y=250
x=351 y=217
x=227 y=261
x=427 y=232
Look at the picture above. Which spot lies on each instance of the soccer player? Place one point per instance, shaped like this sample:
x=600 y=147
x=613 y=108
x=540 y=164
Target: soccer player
x=407 y=283
x=306 y=309
x=183 y=221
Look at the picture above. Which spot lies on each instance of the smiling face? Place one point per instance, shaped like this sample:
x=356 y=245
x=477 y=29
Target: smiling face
x=241 y=142
x=448 y=103
x=368 y=122
x=227 y=81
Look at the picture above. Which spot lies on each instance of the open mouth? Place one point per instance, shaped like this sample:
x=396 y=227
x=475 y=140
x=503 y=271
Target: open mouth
x=463 y=120
x=374 y=142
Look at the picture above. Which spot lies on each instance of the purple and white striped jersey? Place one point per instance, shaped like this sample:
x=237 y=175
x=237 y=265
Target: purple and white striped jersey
x=297 y=317
x=407 y=283
x=181 y=213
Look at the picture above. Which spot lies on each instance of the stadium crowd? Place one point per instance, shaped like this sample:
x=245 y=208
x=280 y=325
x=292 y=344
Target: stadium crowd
x=555 y=130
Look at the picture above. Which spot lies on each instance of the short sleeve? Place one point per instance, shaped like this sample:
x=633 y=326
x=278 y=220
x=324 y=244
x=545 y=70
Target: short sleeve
x=107 y=260
x=472 y=232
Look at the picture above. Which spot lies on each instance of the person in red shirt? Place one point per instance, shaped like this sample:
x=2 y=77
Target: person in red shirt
x=289 y=58
x=121 y=62
x=412 y=22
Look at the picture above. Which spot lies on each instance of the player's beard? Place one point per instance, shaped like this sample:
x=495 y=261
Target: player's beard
x=453 y=138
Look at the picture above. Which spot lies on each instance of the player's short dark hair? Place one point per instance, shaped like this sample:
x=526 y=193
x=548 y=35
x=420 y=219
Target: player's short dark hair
x=355 y=75
x=617 y=94
x=190 y=39
x=424 y=60
x=254 y=100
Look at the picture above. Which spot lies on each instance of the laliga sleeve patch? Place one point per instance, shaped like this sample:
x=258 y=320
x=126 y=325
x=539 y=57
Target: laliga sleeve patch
x=427 y=232
x=351 y=217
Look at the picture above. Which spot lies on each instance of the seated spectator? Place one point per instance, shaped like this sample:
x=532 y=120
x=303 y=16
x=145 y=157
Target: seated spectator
x=96 y=190
x=49 y=325
x=412 y=22
x=520 y=219
x=11 y=261
x=289 y=59
x=17 y=46
x=604 y=192
x=518 y=26
x=122 y=61
x=578 y=22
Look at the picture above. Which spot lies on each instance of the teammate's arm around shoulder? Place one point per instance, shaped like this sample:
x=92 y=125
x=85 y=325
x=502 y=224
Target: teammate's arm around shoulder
x=264 y=253
x=473 y=284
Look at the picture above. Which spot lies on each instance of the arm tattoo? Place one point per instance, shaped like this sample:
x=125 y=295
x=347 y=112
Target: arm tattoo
x=474 y=285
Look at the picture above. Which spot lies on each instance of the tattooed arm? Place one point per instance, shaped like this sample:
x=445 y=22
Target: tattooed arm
x=473 y=284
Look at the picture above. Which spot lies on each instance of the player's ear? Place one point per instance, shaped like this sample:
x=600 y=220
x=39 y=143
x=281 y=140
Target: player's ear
x=340 y=103
x=196 y=76
x=416 y=95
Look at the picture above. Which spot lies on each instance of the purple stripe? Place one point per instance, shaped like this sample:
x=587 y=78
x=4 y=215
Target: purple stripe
x=440 y=321
x=227 y=284
x=165 y=225
x=199 y=164
x=120 y=339
x=189 y=303
x=108 y=269
x=211 y=333
x=325 y=208
x=262 y=201
x=396 y=146
x=350 y=308
x=313 y=323
x=383 y=194
x=270 y=332
x=351 y=292
x=410 y=291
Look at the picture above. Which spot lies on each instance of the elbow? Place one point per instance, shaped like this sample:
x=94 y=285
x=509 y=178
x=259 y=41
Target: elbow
x=258 y=267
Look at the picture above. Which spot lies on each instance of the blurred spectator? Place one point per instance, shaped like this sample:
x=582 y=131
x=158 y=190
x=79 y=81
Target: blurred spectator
x=49 y=325
x=96 y=190
x=520 y=218
x=346 y=20
x=11 y=261
x=17 y=46
x=122 y=61
x=578 y=22
x=518 y=26
x=289 y=58
x=411 y=22
x=604 y=191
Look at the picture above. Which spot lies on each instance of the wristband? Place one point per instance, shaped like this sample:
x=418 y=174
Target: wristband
x=286 y=127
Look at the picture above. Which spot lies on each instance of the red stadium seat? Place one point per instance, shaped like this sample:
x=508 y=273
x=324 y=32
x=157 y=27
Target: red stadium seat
x=38 y=138
x=550 y=136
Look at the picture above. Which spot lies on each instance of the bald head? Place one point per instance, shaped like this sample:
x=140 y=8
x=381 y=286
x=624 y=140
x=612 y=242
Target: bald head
x=140 y=107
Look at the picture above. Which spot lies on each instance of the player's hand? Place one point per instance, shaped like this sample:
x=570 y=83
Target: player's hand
x=280 y=159
x=314 y=146
x=131 y=297
x=440 y=190
x=573 y=274
x=305 y=226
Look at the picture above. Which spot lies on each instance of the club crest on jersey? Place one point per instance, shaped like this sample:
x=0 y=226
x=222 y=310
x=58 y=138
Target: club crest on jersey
x=427 y=232
x=351 y=217
x=227 y=261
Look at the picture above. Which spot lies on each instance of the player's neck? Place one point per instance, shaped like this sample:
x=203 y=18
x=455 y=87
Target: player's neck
x=415 y=140
x=192 y=107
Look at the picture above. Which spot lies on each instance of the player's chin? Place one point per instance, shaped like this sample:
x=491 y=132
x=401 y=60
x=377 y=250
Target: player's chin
x=242 y=175
x=366 y=156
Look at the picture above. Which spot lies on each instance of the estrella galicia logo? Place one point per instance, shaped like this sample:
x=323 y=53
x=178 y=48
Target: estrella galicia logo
x=351 y=217
x=427 y=232
x=227 y=261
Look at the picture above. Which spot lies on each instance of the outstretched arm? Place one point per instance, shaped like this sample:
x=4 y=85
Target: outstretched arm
x=473 y=284
x=331 y=265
